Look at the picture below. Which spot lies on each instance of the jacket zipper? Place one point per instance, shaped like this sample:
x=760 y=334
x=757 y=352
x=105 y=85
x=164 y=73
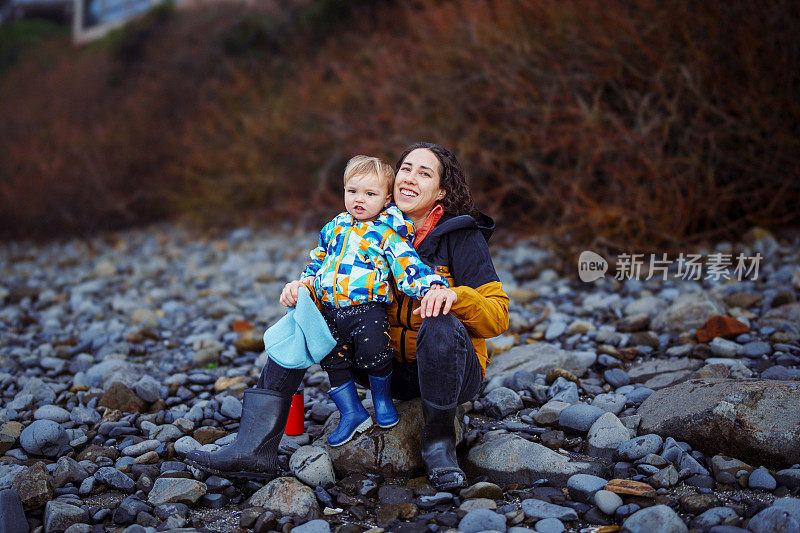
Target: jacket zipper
x=408 y=312
x=402 y=299
x=336 y=269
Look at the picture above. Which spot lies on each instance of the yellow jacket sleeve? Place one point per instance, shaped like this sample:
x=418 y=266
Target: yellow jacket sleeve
x=482 y=310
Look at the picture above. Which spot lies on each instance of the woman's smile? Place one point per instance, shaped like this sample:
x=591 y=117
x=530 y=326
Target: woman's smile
x=418 y=184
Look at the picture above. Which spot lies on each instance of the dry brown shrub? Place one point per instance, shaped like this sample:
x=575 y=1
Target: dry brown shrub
x=620 y=124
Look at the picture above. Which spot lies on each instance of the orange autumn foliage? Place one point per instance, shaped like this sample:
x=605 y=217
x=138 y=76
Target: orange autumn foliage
x=619 y=124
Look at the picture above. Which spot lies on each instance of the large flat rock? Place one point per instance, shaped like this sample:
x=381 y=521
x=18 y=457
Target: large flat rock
x=646 y=370
x=780 y=317
x=539 y=358
x=688 y=312
x=391 y=452
x=757 y=421
x=508 y=458
x=661 y=373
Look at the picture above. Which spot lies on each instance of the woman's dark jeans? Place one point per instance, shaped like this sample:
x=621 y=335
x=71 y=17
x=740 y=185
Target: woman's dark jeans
x=445 y=374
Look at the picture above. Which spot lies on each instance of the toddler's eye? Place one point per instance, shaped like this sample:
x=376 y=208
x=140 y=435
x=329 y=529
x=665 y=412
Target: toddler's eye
x=370 y=194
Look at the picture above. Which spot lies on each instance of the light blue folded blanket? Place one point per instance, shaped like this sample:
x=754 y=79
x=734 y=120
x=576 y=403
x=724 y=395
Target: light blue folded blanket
x=301 y=338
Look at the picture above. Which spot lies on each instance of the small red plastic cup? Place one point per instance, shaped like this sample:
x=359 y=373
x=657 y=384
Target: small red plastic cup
x=294 y=425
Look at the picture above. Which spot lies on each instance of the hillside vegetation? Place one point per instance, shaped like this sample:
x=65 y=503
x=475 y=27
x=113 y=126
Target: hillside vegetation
x=619 y=123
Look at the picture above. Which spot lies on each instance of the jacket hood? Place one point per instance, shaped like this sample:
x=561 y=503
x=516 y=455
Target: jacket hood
x=482 y=222
x=450 y=223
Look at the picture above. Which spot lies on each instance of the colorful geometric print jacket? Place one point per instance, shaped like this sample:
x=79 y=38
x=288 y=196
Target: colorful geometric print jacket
x=457 y=248
x=354 y=259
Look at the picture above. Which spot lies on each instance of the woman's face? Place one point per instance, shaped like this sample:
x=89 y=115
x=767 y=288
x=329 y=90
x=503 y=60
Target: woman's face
x=417 y=185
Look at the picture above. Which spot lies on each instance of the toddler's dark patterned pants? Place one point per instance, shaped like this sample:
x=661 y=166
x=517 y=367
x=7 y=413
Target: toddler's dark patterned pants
x=362 y=342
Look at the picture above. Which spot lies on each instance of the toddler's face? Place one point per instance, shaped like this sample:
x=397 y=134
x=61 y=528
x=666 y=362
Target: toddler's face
x=365 y=196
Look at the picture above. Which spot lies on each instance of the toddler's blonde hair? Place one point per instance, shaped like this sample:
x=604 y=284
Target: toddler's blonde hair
x=361 y=165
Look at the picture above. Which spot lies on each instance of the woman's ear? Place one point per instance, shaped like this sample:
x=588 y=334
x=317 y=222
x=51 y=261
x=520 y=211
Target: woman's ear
x=441 y=194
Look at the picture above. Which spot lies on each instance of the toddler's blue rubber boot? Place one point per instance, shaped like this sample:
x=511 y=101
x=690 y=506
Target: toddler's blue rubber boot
x=385 y=414
x=353 y=417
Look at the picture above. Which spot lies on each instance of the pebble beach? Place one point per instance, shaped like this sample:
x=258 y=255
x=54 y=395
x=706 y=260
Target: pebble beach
x=635 y=405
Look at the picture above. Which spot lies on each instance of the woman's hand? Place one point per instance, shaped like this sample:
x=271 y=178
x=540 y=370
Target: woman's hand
x=436 y=299
x=289 y=294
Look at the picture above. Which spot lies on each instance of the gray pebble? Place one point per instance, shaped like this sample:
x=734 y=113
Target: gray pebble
x=563 y=390
x=52 y=412
x=320 y=411
x=313 y=466
x=664 y=478
x=482 y=520
x=135 y=450
x=186 y=444
x=607 y=501
x=774 y=519
x=426 y=502
x=790 y=505
x=549 y=525
x=638 y=395
x=127 y=510
x=777 y=372
x=59 y=515
x=713 y=517
x=502 y=402
x=613 y=403
x=231 y=407
x=757 y=349
x=114 y=478
x=579 y=417
x=87 y=486
x=164 y=510
x=724 y=348
x=84 y=415
x=638 y=447
x=522 y=380
x=79 y=528
x=12 y=515
x=314 y=526
x=789 y=477
x=582 y=487
x=761 y=479
x=657 y=518
x=616 y=377
x=624 y=511
x=147 y=388
x=44 y=437
x=534 y=508
x=555 y=330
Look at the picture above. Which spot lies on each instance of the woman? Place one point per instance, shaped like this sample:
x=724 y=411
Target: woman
x=440 y=351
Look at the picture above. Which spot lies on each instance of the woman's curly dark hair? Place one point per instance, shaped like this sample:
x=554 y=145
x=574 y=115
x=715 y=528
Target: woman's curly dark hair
x=458 y=199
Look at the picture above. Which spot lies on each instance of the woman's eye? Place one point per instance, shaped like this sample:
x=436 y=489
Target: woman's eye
x=426 y=174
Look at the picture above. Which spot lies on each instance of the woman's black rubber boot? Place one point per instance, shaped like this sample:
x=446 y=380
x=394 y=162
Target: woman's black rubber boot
x=439 y=448
x=254 y=452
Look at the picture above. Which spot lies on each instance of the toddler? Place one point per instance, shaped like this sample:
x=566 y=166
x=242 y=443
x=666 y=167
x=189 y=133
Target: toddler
x=349 y=273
